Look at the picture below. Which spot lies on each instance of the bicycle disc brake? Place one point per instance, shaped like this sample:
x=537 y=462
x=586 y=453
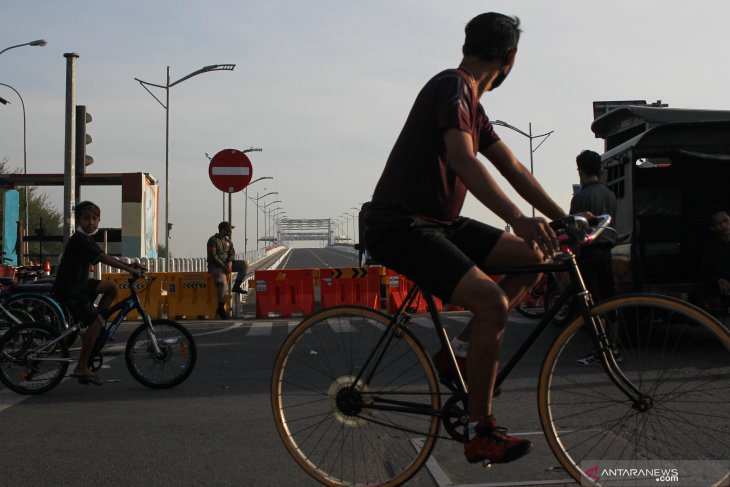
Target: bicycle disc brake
x=455 y=418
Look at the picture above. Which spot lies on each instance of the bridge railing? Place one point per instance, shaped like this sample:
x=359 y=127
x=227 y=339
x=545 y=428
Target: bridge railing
x=183 y=264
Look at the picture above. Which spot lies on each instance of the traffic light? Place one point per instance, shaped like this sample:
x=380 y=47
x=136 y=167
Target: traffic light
x=82 y=139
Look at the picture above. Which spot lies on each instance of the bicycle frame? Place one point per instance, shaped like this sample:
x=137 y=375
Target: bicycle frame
x=122 y=308
x=576 y=289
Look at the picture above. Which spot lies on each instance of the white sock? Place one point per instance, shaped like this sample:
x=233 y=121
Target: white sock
x=460 y=348
x=472 y=428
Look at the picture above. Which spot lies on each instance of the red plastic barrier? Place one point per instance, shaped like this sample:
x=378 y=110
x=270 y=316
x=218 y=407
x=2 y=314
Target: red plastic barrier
x=285 y=293
x=398 y=287
x=352 y=285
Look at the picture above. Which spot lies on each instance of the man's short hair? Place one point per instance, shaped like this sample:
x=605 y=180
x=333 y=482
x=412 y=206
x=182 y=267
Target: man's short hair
x=86 y=206
x=491 y=36
x=225 y=226
x=589 y=162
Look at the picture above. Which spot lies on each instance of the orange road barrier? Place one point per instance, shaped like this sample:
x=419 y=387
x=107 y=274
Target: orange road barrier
x=149 y=291
x=191 y=295
x=351 y=285
x=285 y=293
x=398 y=287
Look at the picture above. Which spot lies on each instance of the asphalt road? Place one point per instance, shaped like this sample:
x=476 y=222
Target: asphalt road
x=217 y=428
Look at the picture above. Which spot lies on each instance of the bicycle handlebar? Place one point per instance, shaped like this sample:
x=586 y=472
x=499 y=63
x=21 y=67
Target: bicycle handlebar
x=579 y=229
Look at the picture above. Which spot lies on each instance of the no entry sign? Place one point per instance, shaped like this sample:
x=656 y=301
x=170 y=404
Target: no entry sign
x=230 y=170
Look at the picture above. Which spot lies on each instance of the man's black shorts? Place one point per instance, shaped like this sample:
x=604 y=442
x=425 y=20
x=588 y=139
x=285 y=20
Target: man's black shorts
x=434 y=255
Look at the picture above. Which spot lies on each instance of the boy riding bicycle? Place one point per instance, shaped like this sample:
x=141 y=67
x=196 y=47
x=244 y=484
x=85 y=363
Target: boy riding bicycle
x=414 y=227
x=74 y=288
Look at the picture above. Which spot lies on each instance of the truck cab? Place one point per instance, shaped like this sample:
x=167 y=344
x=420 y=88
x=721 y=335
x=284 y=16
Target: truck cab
x=669 y=168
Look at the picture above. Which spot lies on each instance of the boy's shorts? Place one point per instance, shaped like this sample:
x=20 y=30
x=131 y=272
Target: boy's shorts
x=82 y=307
x=433 y=255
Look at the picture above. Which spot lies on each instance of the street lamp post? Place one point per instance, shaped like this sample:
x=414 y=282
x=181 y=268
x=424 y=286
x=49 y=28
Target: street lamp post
x=25 y=155
x=41 y=43
x=245 y=213
x=265 y=217
x=272 y=215
x=257 y=214
x=354 y=232
x=342 y=221
x=279 y=218
x=529 y=136
x=166 y=106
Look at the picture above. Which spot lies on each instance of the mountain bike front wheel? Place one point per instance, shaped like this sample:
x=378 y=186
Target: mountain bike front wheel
x=166 y=365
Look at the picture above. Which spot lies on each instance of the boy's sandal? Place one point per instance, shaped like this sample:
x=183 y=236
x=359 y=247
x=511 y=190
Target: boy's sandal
x=85 y=379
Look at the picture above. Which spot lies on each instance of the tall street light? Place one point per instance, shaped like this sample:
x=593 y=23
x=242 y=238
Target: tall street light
x=354 y=232
x=166 y=106
x=272 y=216
x=529 y=136
x=257 y=213
x=264 y=209
x=39 y=42
x=245 y=213
x=25 y=155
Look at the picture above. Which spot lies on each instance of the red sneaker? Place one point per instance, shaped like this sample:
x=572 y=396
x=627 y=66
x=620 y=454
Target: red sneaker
x=492 y=444
x=445 y=368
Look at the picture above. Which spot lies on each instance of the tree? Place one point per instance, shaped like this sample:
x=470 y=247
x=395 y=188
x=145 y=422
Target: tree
x=39 y=210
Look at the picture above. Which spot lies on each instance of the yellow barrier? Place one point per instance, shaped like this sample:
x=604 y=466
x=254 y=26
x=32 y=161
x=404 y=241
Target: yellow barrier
x=191 y=295
x=149 y=291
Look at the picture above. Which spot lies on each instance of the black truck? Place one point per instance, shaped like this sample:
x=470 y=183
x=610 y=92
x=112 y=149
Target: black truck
x=669 y=168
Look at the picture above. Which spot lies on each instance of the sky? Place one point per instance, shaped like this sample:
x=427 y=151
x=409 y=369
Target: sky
x=323 y=88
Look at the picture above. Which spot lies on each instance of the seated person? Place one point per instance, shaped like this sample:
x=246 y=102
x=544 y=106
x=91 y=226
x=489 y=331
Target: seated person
x=716 y=259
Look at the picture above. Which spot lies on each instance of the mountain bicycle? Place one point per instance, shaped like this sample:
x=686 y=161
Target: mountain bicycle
x=160 y=353
x=357 y=401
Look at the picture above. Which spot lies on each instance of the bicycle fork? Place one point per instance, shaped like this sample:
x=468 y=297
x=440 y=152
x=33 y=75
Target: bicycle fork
x=602 y=342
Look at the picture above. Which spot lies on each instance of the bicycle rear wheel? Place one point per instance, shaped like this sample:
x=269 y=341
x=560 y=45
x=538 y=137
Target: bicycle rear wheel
x=338 y=427
x=26 y=365
x=174 y=362
x=31 y=307
x=678 y=357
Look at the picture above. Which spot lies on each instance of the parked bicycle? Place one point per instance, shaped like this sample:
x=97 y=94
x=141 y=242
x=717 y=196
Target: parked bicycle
x=29 y=302
x=160 y=353
x=356 y=399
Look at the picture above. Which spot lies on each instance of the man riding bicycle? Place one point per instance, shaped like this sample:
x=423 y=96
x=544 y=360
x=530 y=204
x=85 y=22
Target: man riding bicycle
x=413 y=225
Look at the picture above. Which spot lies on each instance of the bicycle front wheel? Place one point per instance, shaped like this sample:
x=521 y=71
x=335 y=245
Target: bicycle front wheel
x=29 y=362
x=678 y=358
x=346 y=425
x=166 y=365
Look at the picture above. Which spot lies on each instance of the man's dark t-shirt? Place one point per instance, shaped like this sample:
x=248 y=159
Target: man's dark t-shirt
x=595 y=197
x=72 y=278
x=417 y=180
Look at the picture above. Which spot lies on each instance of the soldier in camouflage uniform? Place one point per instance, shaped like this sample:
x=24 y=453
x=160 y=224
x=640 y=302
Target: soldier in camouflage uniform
x=221 y=261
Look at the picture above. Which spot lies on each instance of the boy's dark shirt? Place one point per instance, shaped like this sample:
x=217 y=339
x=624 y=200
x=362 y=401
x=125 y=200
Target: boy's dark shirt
x=417 y=181
x=72 y=277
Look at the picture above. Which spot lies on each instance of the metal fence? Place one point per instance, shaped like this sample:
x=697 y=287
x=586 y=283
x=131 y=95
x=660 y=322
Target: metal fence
x=182 y=264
